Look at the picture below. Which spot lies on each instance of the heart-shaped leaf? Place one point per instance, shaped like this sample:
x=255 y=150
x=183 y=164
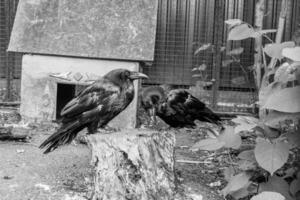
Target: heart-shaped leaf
x=271 y=156
x=244 y=123
x=293 y=139
x=236 y=51
x=274 y=50
x=273 y=118
x=283 y=99
x=228 y=173
x=236 y=183
x=268 y=196
x=295 y=186
x=227 y=62
x=276 y=184
x=285 y=73
x=240 y=32
x=246 y=165
x=241 y=193
x=292 y=53
x=210 y=144
x=229 y=137
x=247 y=155
x=202 y=48
x=233 y=22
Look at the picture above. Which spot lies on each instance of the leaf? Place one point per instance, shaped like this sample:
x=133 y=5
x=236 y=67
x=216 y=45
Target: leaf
x=236 y=183
x=265 y=92
x=285 y=73
x=197 y=75
x=276 y=184
x=236 y=51
x=225 y=63
x=274 y=118
x=240 y=80
x=290 y=172
x=284 y=99
x=241 y=32
x=202 y=67
x=228 y=173
x=245 y=123
x=267 y=131
x=230 y=139
x=195 y=69
x=271 y=156
x=202 y=48
x=233 y=22
x=274 y=50
x=247 y=155
x=246 y=165
x=241 y=193
x=295 y=187
x=268 y=196
x=292 y=53
x=293 y=139
x=222 y=49
x=209 y=144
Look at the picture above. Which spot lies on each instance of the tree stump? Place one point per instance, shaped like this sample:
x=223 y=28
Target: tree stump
x=133 y=164
x=14 y=133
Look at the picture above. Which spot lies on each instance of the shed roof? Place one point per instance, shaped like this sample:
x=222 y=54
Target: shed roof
x=114 y=29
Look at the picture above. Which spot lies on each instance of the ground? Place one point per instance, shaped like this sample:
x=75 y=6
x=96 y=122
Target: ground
x=27 y=174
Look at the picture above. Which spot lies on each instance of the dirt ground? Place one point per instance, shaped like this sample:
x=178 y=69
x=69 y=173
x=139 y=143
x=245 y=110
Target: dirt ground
x=27 y=174
x=66 y=174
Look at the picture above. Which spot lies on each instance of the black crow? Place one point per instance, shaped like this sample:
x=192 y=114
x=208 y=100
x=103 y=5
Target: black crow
x=150 y=98
x=94 y=106
x=179 y=108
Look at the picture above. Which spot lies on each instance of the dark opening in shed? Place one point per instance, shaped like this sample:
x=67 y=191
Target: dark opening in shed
x=65 y=92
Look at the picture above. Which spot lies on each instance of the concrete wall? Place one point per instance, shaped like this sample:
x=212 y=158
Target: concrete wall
x=39 y=89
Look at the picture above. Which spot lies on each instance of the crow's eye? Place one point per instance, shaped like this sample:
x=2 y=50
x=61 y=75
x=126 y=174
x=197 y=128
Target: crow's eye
x=126 y=74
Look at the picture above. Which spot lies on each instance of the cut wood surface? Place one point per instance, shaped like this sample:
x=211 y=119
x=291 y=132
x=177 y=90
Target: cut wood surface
x=133 y=164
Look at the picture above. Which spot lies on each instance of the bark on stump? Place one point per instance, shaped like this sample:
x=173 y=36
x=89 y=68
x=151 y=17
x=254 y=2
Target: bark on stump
x=133 y=165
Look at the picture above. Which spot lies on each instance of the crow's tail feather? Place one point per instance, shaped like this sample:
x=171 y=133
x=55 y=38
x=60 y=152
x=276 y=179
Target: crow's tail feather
x=209 y=116
x=64 y=135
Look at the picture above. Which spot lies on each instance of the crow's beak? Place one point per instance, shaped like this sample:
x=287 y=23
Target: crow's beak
x=137 y=75
x=153 y=115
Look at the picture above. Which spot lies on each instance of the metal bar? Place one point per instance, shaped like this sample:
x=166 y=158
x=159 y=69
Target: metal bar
x=218 y=39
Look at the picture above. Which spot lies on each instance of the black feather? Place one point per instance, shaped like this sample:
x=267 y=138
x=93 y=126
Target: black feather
x=94 y=107
x=180 y=108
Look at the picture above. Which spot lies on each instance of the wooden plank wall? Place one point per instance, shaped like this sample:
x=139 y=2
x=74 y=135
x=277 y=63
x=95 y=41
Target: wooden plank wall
x=183 y=25
x=10 y=61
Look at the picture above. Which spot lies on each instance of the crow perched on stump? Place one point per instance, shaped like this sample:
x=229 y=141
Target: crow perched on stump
x=94 y=106
x=178 y=108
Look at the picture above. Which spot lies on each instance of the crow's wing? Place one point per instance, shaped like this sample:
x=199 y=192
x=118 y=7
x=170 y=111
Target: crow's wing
x=100 y=93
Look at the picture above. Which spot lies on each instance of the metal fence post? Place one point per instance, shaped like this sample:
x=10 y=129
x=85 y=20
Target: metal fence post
x=218 y=41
